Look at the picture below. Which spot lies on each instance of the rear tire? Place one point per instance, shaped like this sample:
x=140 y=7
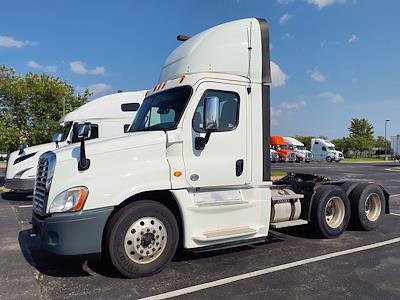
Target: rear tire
x=141 y=238
x=367 y=206
x=349 y=186
x=330 y=213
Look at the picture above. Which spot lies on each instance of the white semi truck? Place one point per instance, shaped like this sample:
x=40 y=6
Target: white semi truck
x=193 y=171
x=273 y=156
x=302 y=154
x=109 y=116
x=323 y=150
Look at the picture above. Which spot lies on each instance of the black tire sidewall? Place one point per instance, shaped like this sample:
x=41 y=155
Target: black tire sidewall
x=323 y=194
x=116 y=238
x=358 y=198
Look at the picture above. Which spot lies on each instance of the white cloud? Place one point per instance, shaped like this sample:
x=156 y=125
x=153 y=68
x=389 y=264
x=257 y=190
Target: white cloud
x=276 y=115
x=293 y=105
x=9 y=42
x=316 y=75
x=353 y=38
x=284 y=1
x=279 y=77
x=287 y=36
x=34 y=65
x=285 y=18
x=99 y=88
x=79 y=67
x=332 y=97
x=324 y=3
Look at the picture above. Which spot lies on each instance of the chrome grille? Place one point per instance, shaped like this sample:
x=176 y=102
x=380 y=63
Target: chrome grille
x=308 y=154
x=291 y=156
x=44 y=175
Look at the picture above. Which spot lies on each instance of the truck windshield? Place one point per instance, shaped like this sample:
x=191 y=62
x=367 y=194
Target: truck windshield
x=331 y=148
x=162 y=111
x=300 y=148
x=64 y=129
x=283 y=147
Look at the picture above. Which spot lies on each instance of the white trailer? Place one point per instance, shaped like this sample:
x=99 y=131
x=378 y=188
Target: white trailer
x=109 y=116
x=302 y=154
x=396 y=144
x=194 y=170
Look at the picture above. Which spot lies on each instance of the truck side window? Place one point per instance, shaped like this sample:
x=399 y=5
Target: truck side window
x=94 y=132
x=324 y=148
x=130 y=106
x=228 y=111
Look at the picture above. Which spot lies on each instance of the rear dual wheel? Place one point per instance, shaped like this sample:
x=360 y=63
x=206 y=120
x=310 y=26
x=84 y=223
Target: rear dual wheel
x=330 y=211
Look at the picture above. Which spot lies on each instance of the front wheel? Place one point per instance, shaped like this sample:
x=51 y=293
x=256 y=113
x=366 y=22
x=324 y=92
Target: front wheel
x=330 y=211
x=328 y=159
x=142 y=238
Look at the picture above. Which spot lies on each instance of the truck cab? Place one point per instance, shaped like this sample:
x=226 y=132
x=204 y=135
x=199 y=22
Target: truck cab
x=194 y=169
x=302 y=154
x=109 y=115
x=323 y=150
x=273 y=155
x=282 y=148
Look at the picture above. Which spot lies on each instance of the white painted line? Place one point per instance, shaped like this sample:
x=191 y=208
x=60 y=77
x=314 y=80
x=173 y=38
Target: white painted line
x=212 y=284
x=25 y=206
x=394 y=214
x=395 y=195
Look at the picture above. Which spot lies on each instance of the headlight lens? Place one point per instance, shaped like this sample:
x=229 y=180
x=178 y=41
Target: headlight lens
x=72 y=199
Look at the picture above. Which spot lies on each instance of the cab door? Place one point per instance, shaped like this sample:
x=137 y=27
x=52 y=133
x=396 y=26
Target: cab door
x=223 y=161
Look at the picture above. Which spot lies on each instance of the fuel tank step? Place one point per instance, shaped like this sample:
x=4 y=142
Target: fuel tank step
x=289 y=223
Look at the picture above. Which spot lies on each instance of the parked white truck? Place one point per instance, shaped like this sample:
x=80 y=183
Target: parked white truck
x=302 y=154
x=194 y=171
x=273 y=156
x=109 y=116
x=323 y=150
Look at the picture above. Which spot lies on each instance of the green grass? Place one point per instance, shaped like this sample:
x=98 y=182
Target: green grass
x=278 y=173
x=3 y=164
x=362 y=160
x=396 y=168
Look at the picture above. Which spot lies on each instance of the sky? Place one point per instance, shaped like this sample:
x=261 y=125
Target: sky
x=333 y=60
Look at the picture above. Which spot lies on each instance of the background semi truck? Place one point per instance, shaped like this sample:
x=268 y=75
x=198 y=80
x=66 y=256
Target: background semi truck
x=194 y=170
x=282 y=149
x=323 y=150
x=302 y=154
x=109 y=116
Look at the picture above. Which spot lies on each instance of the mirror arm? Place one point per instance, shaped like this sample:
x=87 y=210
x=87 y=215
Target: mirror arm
x=201 y=142
x=84 y=163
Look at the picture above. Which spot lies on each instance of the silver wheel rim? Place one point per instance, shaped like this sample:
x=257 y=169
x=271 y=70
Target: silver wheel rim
x=373 y=207
x=145 y=240
x=334 y=212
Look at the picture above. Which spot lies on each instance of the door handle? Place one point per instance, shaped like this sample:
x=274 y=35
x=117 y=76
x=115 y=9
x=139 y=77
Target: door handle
x=239 y=167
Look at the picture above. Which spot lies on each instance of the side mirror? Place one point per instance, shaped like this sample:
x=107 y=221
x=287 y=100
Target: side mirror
x=211 y=114
x=84 y=130
x=210 y=121
x=83 y=133
x=58 y=137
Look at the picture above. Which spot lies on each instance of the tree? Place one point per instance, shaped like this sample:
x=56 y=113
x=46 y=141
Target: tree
x=342 y=144
x=31 y=107
x=361 y=136
x=381 y=143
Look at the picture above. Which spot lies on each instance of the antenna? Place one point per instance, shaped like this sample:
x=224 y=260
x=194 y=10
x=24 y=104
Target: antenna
x=249 y=48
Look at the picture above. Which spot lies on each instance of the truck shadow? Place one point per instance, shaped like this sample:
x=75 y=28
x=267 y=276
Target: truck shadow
x=13 y=196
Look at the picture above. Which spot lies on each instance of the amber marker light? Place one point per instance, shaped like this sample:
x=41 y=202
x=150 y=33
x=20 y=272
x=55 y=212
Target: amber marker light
x=177 y=173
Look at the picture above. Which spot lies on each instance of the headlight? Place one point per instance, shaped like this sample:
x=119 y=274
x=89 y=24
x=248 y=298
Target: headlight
x=72 y=199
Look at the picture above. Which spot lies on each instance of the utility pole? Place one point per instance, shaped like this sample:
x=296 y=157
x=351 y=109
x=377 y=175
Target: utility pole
x=386 y=121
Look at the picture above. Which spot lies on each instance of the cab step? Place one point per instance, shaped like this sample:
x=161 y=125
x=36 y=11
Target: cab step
x=222 y=234
x=286 y=198
x=289 y=223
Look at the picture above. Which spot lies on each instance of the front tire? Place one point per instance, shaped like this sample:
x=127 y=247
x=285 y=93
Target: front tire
x=330 y=211
x=367 y=206
x=142 y=238
x=328 y=159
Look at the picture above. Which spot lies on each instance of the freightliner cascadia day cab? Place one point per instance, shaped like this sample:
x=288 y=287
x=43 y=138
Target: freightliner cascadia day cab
x=109 y=116
x=194 y=170
x=302 y=154
x=282 y=149
x=323 y=150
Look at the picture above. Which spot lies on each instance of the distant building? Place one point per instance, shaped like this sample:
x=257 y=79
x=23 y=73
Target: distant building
x=396 y=144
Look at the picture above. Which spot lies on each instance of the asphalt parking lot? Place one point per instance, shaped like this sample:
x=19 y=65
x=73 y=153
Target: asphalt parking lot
x=290 y=264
